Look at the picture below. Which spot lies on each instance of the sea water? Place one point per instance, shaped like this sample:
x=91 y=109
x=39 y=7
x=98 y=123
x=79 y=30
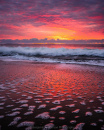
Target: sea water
x=89 y=54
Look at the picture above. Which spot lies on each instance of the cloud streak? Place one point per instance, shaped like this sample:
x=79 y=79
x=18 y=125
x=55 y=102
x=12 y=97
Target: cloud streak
x=77 y=15
x=51 y=41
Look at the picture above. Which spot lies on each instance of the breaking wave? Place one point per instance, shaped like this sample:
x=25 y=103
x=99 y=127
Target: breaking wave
x=60 y=55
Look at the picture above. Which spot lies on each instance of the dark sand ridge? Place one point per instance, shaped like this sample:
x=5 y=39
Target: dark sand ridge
x=56 y=95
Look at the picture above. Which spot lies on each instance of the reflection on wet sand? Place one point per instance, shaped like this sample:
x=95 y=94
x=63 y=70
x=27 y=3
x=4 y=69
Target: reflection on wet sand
x=52 y=96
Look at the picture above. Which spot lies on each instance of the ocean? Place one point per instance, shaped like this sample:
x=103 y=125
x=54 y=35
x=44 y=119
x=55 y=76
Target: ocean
x=86 y=54
x=52 y=86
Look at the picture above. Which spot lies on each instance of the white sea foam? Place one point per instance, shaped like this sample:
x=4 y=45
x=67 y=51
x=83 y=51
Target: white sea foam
x=68 y=95
x=76 y=117
x=24 y=105
x=2 y=97
x=28 y=113
x=62 y=112
x=23 y=101
x=13 y=123
x=44 y=115
x=47 y=94
x=52 y=117
x=98 y=111
x=48 y=126
x=100 y=120
x=34 y=53
x=50 y=51
x=29 y=97
x=79 y=126
x=55 y=108
x=16 y=109
x=38 y=101
x=31 y=108
x=26 y=123
x=1 y=116
x=69 y=99
x=83 y=103
x=98 y=97
x=56 y=102
x=62 y=100
x=88 y=113
x=102 y=103
x=14 y=113
x=91 y=101
x=24 y=95
x=9 y=105
x=17 y=118
x=47 y=101
x=2 y=103
x=73 y=121
x=71 y=105
x=39 y=96
x=42 y=106
x=47 y=98
x=62 y=118
x=93 y=124
x=80 y=97
x=76 y=111
x=64 y=127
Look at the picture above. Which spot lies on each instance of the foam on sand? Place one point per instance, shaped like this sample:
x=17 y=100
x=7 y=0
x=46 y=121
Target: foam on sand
x=26 y=123
x=31 y=108
x=17 y=118
x=55 y=108
x=62 y=118
x=88 y=114
x=16 y=109
x=13 y=123
x=76 y=111
x=42 y=106
x=62 y=112
x=1 y=116
x=56 y=102
x=79 y=126
x=24 y=105
x=2 y=103
x=48 y=126
x=83 y=103
x=102 y=103
x=13 y=114
x=38 y=101
x=23 y=101
x=93 y=124
x=64 y=127
x=73 y=121
x=71 y=105
x=91 y=101
x=44 y=115
x=28 y=113
x=98 y=111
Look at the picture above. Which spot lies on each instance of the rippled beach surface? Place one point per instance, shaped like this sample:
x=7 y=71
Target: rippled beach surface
x=51 y=96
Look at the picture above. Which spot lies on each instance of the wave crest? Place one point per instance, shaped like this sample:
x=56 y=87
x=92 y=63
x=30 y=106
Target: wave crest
x=60 y=55
x=45 y=51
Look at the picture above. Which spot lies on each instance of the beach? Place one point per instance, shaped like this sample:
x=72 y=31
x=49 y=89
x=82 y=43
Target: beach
x=36 y=95
x=51 y=64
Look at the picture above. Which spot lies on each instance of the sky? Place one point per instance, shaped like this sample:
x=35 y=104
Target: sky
x=52 y=19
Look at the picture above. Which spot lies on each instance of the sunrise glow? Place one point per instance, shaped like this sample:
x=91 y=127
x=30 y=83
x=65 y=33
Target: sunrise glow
x=40 y=19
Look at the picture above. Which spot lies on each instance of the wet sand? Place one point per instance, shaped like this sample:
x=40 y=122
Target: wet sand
x=53 y=96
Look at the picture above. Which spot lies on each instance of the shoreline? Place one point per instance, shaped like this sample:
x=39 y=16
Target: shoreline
x=2 y=59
